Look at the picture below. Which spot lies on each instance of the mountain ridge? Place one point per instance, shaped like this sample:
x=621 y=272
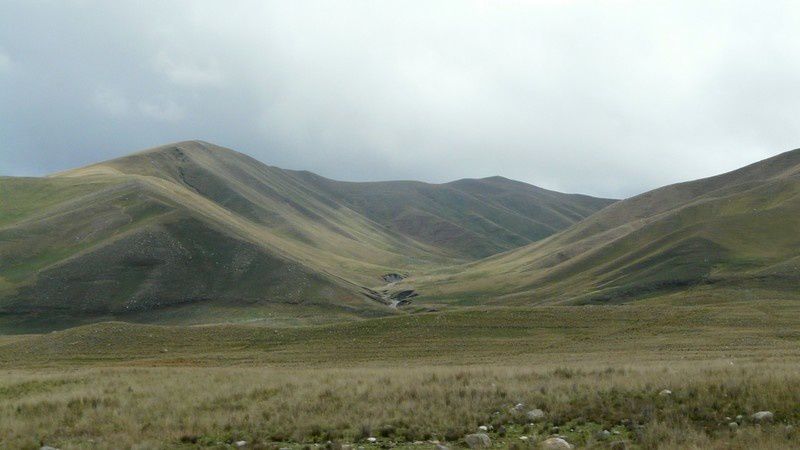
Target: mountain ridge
x=121 y=236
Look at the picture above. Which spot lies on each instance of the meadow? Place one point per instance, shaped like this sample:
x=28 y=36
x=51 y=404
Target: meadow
x=412 y=380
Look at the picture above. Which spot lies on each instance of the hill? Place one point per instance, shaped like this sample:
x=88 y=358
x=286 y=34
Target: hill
x=194 y=233
x=726 y=237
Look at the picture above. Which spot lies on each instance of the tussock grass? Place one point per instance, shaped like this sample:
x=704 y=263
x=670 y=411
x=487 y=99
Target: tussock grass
x=169 y=407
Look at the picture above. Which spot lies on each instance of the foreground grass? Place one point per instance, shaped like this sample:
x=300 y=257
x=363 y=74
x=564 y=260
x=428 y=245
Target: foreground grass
x=214 y=407
x=412 y=380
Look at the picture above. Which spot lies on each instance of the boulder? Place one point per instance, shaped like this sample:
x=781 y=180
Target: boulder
x=556 y=443
x=603 y=435
x=478 y=440
x=763 y=417
x=535 y=415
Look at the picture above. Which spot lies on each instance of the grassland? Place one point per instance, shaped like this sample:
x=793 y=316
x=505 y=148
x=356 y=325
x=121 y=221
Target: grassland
x=414 y=379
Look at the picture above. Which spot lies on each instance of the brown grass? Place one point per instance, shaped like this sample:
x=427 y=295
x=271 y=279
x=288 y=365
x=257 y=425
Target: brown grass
x=171 y=407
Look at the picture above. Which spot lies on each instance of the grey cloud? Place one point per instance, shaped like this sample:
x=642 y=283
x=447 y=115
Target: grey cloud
x=608 y=98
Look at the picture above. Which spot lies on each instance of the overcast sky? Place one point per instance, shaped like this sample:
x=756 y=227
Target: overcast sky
x=608 y=98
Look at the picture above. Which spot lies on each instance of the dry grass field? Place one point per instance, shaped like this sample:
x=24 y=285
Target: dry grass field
x=412 y=380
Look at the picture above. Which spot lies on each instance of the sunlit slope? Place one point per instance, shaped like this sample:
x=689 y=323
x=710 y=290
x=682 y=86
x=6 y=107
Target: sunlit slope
x=122 y=246
x=740 y=229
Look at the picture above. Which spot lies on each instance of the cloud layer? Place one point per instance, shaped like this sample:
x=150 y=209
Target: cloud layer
x=603 y=97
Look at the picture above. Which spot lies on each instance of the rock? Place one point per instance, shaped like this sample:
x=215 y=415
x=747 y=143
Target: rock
x=763 y=417
x=372 y=440
x=519 y=408
x=442 y=447
x=619 y=445
x=739 y=418
x=603 y=435
x=665 y=393
x=556 y=443
x=733 y=425
x=392 y=277
x=47 y=447
x=535 y=415
x=478 y=440
x=523 y=438
x=240 y=444
x=483 y=428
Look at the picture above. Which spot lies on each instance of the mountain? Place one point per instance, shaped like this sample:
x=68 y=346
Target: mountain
x=195 y=233
x=728 y=237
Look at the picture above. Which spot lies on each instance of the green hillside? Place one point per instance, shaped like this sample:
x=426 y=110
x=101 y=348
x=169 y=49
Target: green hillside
x=195 y=233
x=725 y=237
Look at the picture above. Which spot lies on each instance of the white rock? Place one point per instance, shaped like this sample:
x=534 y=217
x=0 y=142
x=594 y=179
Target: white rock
x=372 y=439
x=483 y=428
x=240 y=444
x=763 y=416
x=556 y=443
x=535 y=415
x=733 y=425
x=665 y=393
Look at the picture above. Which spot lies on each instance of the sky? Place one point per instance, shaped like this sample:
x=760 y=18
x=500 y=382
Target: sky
x=606 y=97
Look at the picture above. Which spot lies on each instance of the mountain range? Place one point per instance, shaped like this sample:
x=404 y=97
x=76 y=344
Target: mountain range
x=191 y=233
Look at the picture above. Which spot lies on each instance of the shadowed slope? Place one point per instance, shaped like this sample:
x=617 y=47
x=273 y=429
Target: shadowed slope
x=472 y=217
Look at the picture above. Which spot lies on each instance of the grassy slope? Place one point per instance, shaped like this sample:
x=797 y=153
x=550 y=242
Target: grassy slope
x=736 y=230
x=199 y=233
x=123 y=248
